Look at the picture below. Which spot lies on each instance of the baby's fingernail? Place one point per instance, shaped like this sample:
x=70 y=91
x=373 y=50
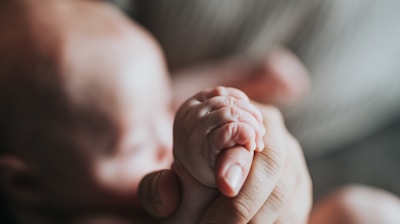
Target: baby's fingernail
x=253 y=145
x=234 y=177
x=260 y=144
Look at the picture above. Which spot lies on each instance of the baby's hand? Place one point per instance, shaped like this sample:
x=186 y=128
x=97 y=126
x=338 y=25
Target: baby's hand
x=215 y=135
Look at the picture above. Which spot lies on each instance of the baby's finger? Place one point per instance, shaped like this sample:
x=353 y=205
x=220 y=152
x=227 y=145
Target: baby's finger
x=199 y=102
x=226 y=115
x=230 y=135
x=233 y=166
x=219 y=102
x=221 y=91
x=260 y=142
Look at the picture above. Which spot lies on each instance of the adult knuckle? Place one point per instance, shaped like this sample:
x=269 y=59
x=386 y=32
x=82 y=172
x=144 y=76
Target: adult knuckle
x=241 y=211
x=275 y=113
x=279 y=197
x=274 y=161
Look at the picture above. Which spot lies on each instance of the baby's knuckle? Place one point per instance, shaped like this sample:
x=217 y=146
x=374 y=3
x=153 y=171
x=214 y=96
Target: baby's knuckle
x=232 y=130
x=220 y=90
x=235 y=113
x=230 y=101
x=200 y=96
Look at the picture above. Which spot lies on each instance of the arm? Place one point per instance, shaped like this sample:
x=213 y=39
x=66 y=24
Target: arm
x=280 y=79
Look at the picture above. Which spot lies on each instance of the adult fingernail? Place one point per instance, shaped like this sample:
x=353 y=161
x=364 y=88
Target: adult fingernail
x=234 y=177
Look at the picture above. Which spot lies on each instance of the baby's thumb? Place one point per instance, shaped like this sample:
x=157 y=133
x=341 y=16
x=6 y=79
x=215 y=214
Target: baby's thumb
x=232 y=167
x=159 y=193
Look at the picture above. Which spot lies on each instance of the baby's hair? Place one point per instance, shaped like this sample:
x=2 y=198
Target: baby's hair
x=25 y=71
x=29 y=89
x=35 y=93
x=37 y=109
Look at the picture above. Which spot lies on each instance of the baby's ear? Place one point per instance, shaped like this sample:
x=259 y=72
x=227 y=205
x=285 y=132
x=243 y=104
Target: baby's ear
x=18 y=182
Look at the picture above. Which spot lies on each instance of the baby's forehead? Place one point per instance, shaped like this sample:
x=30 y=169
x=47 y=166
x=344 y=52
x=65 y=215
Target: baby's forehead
x=86 y=59
x=79 y=75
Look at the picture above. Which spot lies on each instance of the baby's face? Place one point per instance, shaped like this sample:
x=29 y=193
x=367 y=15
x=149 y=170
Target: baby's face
x=119 y=127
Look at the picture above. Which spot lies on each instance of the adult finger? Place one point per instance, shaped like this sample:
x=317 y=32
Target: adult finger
x=159 y=193
x=300 y=203
x=298 y=206
x=232 y=167
x=290 y=202
x=265 y=173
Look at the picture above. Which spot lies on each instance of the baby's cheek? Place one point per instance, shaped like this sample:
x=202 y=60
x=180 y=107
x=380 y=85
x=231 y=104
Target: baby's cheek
x=113 y=176
x=163 y=124
x=123 y=173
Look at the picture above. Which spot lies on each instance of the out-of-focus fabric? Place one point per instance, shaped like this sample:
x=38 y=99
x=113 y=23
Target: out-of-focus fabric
x=196 y=31
x=353 y=56
x=351 y=48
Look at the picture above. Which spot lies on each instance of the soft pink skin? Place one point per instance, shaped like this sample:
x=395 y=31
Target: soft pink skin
x=214 y=130
x=208 y=123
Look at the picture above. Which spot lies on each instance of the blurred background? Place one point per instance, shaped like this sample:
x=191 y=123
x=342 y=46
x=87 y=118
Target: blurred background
x=349 y=121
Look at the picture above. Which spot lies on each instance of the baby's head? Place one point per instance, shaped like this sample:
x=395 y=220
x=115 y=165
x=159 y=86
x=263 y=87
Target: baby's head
x=85 y=107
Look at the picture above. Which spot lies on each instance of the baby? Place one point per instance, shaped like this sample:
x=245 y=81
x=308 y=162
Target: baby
x=84 y=118
x=85 y=114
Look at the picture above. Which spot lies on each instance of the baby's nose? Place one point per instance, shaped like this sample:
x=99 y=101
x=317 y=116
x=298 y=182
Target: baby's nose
x=164 y=154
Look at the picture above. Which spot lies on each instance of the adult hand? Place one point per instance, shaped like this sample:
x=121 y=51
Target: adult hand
x=277 y=190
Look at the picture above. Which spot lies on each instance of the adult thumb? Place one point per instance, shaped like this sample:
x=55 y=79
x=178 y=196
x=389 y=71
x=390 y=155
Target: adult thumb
x=159 y=193
x=232 y=168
